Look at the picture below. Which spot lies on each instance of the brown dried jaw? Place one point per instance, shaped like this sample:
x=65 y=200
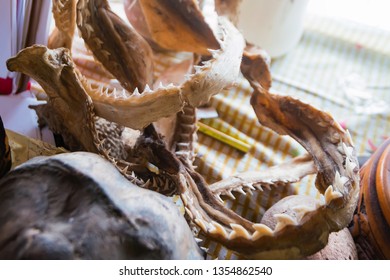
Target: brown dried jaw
x=138 y=109
x=64 y=13
x=305 y=229
x=331 y=149
x=179 y=26
x=121 y=50
x=55 y=72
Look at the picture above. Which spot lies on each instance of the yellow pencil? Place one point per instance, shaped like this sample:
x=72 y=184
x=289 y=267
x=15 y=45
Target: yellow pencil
x=227 y=139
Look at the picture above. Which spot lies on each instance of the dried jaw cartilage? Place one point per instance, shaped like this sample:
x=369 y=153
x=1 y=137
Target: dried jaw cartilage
x=294 y=227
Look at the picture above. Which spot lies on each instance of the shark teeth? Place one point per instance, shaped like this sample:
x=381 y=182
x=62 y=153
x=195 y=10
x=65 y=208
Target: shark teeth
x=350 y=167
x=198 y=240
x=348 y=151
x=339 y=181
x=218 y=229
x=160 y=85
x=105 y=53
x=146 y=184
x=88 y=29
x=249 y=186
x=284 y=220
x=229 y=194
x=240 y=190
x=79 y=18
x=124 y=170
x=349 y=138
x=136 y=92
x=260 y=231
x=201 y=224
x=330 y=195
x=189 y=213
x=218 y=196
x=98 y=42
x=198 y=68
x=238 y=231
x=147 y=89
x=87 y=13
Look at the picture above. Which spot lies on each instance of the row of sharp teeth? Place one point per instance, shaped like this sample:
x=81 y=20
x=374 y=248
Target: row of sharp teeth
x=244 y=189
x=106 y=91
x=282 y=220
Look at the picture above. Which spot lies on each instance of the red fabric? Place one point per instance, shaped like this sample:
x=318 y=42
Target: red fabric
x=5 y=86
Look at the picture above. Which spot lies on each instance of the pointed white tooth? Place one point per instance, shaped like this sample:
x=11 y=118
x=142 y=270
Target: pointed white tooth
x=350 y=167
x=260 y=231
x=213 y=52
x=201 y=224
x=349 y=138
x=218 y=229
x=339 y=180
x=348 y=151
x=259 y=187
x=114 y=93
x=100 y=89
x=124 y=170
x=206 y=63
x=229 y=194
x=330 y=195
x=284 y=220
x=184 y=199
x=148 y=183
x=187 y=77
x=160 y=85
x=136 y=92
x=124 y=93
x=267 y=186
x=189 y=213
x=240 y=190
x=218 y=196
x=198 y=68
x=198 y=240
x=239 y=231
x=248 y=191
x=250 y=186
x=147 y=88
x=204 y=249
